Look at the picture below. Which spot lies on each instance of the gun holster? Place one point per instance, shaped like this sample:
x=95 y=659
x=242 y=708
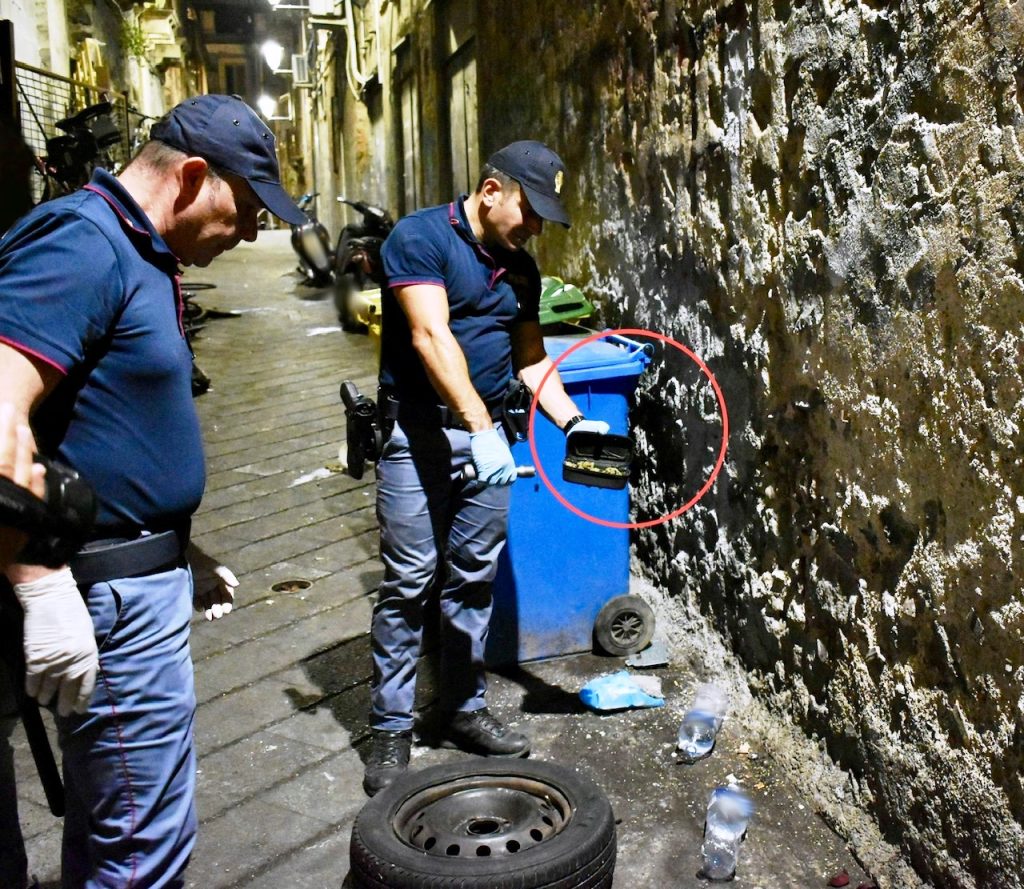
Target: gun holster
x=363 y=432
x=515 y=410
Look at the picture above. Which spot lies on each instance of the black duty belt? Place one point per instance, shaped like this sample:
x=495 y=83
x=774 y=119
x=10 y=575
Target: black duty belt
x=425 y=414
x=115 y=557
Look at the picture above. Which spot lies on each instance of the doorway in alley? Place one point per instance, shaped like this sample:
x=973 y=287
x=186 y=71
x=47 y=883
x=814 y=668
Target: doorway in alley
x=462 y=125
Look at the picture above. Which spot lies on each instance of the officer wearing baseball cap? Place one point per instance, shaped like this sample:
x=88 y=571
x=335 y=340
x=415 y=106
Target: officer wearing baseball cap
x=540 y=174
x=461 y=341
x=91 y=345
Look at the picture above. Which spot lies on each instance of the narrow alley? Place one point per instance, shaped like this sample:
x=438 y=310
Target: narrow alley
x=283 y=680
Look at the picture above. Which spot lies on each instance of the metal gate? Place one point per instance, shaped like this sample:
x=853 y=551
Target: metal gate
x=45 y=98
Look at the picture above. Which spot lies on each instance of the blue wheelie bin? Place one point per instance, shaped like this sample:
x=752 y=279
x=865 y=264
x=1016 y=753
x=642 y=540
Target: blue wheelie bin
x=559 y=570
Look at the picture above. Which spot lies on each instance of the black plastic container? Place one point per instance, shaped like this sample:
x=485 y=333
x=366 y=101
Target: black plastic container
x=601 y=461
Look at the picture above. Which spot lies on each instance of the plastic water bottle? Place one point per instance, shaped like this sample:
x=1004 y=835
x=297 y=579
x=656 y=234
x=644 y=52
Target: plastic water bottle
x=725 y=826
x=701 y=723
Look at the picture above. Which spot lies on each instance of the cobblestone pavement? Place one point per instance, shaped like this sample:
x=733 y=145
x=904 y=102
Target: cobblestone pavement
x=283 y=681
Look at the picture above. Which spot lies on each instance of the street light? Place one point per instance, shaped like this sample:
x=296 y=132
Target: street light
x=268 y=107
x=273 y=53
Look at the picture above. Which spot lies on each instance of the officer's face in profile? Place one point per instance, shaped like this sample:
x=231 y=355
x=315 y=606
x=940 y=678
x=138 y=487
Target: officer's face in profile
x=511 y=221
x=224 y=213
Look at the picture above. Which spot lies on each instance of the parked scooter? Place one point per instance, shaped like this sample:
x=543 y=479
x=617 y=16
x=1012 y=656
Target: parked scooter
x=357 y=264
x=71 y=158
x=312 y=245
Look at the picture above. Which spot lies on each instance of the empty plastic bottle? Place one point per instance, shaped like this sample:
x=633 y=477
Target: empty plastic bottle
x=725 y=826
x=701 y=723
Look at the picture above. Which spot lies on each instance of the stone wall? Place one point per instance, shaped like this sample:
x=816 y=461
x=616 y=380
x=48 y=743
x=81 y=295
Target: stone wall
x=823 y=199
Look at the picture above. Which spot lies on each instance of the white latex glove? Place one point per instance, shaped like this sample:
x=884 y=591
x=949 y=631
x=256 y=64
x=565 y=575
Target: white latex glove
x=492 y=458
x=219 y=596
x=598 y=426
x=60 y=642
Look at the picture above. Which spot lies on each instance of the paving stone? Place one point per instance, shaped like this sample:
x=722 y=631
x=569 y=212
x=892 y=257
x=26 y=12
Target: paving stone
x=238 y=666
x=313 y=724
x=31 y=795
x=315 y=517
x=330 y=790
x=253 y=767
x=34 y=814
x=306 y=503
x=318 y=441
x=43 y=852
x=250 y=491
x=235 y=847
x=250 y=622
x=235 y=668
x=243 y=712
x=311 y=555
x=321 y=865
x=228 y=438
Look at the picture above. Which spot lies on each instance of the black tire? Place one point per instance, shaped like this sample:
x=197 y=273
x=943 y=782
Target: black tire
x=625 y=625
x=570 y=845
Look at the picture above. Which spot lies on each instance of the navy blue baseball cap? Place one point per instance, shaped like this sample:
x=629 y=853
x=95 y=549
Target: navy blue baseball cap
x=228 y=134
x=539 y=172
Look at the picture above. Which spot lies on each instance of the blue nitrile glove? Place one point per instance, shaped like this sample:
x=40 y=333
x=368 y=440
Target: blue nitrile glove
x=492 y=458
x=600 y=427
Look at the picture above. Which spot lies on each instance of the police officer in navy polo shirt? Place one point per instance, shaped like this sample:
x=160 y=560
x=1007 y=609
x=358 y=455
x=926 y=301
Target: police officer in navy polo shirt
x=92 y=347
x=460 y=322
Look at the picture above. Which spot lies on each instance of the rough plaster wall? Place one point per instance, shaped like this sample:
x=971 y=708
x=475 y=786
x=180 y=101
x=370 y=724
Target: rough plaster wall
x=823 y=200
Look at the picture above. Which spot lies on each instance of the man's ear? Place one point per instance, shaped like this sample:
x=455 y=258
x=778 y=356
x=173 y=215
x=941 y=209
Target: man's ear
x=191 y=176
x=490 y=191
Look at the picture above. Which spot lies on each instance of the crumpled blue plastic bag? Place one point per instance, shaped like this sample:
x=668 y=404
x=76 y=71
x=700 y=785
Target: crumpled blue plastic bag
x=619 y=691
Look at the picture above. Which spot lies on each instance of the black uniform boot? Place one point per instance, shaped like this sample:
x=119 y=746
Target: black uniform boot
x=480 y=732
x=389 y=757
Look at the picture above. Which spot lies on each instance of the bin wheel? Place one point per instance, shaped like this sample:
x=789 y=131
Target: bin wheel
x=625 y=625
x=485 y=824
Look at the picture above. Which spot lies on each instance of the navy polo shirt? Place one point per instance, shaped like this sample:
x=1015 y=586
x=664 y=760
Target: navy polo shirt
x=89 y=287
x=489 y=291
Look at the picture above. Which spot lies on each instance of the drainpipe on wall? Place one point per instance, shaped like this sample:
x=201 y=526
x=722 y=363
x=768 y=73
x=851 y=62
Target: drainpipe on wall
x=355 y=77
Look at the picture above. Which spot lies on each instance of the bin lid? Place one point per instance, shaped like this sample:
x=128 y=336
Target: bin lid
x=600 y=359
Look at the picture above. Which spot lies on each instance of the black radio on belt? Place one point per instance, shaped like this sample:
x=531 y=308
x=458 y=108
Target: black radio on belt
x=56 y=524
x=363 y=433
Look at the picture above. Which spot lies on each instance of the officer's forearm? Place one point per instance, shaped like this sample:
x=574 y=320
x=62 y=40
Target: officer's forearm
x=553 y=399
x=448 y=372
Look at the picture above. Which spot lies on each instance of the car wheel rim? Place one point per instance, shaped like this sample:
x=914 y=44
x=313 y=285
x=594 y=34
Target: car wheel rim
x=482 y=816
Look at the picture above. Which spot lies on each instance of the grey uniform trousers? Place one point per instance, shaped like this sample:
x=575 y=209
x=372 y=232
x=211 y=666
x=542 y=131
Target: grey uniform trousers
x=437 y=532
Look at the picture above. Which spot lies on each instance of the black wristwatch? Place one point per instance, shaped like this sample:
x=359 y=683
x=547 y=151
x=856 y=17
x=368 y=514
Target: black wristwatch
x=572 y=421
